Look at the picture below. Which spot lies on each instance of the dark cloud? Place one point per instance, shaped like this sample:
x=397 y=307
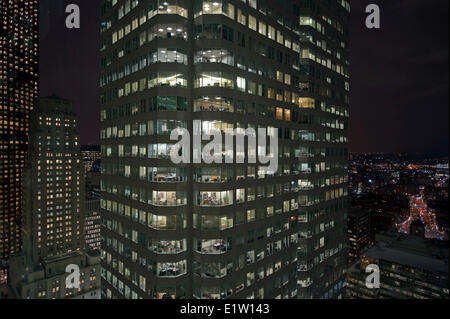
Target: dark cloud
x=399 y=78
x=70 y=60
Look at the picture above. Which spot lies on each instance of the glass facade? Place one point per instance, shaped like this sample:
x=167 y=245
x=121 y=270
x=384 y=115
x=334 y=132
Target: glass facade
x=224 y=231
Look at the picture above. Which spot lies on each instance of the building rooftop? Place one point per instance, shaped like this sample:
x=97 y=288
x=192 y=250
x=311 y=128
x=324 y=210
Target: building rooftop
x=72 y=254
x=356 y=212
x=54 y=104
x=90 y=148
x=410 y=250
x=93 y=253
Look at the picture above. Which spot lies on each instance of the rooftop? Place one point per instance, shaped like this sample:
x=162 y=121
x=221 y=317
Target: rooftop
x=61 y=257
x=357 y=212
x=410 y=250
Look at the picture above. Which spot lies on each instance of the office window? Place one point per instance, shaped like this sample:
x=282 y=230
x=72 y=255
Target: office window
x=280 y=38
x=214 y=56
x=217 y=79
x=165 y=55
x=287 y=79
x=279 y=76
x=241 y=18
x=171 y=7
x=167 y=31
x=262 y=28
x=252 y=87
x=214 y=7
x=213 y=104
x=228 y=10
x=240 y=82
x=167 y=79
x=252 y=22
x=271 y=32
x=211 y=7
x=306 y=103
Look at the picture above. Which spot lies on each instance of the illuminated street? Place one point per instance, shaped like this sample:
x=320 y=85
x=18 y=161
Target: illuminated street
x=419 y=209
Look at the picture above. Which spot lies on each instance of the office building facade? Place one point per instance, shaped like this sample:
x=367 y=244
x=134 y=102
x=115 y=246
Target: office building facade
x=18 y=91
x=224 y=230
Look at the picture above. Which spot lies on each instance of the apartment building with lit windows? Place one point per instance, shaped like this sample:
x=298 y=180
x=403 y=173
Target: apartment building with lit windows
x=18 y=91
x=54 y=210
x=224 y=230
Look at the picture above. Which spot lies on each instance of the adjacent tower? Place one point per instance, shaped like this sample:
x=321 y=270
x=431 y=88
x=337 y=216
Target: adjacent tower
x=54 y=209
x=18 y=91
x=53 y=182
x=224 y=231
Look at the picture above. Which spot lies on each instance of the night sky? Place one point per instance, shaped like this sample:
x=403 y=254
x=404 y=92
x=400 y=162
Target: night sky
x=399 y=73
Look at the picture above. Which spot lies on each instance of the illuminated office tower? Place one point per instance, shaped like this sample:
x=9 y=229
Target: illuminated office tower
x=224 y=230
x=358 y=233
x=18 y=91
x=53 y=209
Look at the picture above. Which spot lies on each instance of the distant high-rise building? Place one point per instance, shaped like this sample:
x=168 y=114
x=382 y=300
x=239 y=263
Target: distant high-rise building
x=214 y=230
x=358 y=233
x=93 y=222
x=18 y=92
x=54 y=182
x=91 y=158
x=54 y=212
x=410 y=267
x=93 y=237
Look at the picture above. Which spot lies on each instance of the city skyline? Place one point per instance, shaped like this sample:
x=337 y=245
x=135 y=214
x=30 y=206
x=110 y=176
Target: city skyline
x=224 y=149
x=384 y=119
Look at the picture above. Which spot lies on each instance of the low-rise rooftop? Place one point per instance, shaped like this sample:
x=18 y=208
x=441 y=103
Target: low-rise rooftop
x=410 y=250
